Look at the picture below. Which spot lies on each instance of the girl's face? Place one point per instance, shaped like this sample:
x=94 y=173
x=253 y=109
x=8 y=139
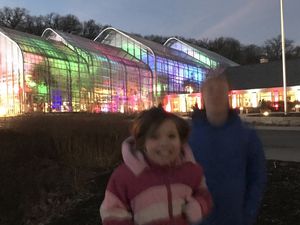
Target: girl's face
x=163 y=146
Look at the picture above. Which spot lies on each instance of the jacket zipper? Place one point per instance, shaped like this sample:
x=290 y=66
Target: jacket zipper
x=170 y=206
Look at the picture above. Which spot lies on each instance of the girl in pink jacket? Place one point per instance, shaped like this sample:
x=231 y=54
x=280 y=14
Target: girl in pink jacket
x=159 y=182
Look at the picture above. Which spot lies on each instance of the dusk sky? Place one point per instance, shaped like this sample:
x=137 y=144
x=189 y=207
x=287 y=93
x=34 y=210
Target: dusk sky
x=249 y=21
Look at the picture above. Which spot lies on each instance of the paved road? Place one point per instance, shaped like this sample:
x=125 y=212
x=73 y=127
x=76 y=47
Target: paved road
x=281 y=143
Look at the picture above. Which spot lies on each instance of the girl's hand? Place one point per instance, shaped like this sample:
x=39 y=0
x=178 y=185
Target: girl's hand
x=192 y=210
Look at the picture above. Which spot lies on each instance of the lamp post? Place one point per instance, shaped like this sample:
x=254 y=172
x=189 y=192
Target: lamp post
x=283 y=56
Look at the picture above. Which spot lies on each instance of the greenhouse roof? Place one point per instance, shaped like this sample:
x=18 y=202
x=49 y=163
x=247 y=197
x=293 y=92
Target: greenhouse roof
x=37 y=45
x=219 y=58
x=264 y=75
x=89 y=46
x=155 y=48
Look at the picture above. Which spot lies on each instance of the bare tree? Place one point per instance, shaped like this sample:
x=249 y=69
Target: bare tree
x=68 y=23
x=250 y=54
x=35 y=24
x=227 y=47
x=13 y=18
x=156 y=38
x=204 y=43
x=52 y=20
x=90 y=29
x=273 y=49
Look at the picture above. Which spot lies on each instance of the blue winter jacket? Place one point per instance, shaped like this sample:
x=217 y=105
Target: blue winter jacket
x=234 y=166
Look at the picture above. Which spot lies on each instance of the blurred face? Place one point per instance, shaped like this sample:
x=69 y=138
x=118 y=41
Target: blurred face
x=163 y=146
x=215 y=96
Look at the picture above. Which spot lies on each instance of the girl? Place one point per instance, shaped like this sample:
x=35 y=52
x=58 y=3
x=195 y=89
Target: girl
x=159 y=182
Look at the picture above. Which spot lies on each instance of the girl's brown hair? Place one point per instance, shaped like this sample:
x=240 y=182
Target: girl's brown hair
x=149 y=120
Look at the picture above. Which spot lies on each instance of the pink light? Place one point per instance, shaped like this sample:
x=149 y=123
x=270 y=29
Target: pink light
x=168 y=105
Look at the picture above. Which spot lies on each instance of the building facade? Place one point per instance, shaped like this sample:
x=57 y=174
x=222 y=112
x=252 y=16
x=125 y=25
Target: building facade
x=261 y=86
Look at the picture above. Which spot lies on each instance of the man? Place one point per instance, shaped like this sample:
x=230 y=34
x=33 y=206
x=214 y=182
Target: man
x=232 y=157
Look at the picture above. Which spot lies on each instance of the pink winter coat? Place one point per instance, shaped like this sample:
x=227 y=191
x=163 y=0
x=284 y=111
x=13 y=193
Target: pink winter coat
x=141 y=193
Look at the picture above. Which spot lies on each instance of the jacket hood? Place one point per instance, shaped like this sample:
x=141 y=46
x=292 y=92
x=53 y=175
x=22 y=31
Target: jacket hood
x=136 y=161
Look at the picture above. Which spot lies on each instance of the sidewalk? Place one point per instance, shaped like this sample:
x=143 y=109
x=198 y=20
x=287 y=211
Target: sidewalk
x=287 y=149
x=274 y=127
x=282 y=154
x=272 y=120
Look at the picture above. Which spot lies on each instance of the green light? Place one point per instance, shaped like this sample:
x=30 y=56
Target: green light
x=131 y=48
x=42 y=89
x=137 y=52
x=158 y=89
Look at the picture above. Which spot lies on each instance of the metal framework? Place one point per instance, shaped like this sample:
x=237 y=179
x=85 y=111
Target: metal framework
x=174 y=72
x=207 y=58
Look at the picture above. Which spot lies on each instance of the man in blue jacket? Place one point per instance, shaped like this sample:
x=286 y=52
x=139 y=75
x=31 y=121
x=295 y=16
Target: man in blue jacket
x=231 y=155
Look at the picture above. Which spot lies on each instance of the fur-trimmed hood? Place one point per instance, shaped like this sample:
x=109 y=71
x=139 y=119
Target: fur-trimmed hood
x=136 y=161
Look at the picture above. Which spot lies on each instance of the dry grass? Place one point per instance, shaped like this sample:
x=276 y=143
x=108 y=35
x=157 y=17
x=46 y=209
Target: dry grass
x=77 y=140
x=48 y=153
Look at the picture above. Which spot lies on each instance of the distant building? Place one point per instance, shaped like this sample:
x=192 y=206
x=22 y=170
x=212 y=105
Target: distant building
x=263 y=59
x=252 y=84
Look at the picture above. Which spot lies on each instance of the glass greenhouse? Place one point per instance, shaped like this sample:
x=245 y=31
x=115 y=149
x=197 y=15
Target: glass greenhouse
x=61 y=73
x=173 y=71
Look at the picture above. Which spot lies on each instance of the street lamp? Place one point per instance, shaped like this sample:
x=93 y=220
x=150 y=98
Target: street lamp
x=283 y=56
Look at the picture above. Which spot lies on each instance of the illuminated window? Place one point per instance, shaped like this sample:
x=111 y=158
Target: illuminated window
x=234 y=102
x=254 y=99
x=137 y=52
x=130 y=47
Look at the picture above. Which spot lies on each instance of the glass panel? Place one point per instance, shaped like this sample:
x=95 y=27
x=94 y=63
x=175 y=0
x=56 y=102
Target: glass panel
x=137 y=52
